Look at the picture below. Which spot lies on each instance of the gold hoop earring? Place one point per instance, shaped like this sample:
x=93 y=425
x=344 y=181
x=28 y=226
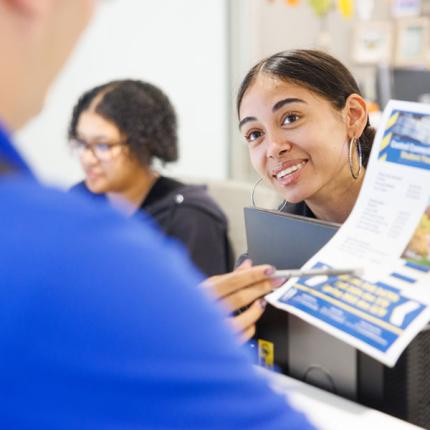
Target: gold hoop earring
x=281 y=208
x=355 y=142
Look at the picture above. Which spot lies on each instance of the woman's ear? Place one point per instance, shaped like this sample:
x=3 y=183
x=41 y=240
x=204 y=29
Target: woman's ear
x=28 y=7
x=356 y=115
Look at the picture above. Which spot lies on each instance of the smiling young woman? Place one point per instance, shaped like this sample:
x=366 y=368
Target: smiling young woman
x=307 y=129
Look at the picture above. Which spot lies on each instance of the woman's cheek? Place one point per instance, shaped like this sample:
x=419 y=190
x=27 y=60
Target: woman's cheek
x=257 y=161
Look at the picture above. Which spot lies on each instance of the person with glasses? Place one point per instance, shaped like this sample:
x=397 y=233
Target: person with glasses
x=117 y=130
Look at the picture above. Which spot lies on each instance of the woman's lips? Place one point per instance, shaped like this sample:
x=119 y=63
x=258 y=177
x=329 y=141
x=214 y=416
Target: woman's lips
x=91 y=174
x=289 y=172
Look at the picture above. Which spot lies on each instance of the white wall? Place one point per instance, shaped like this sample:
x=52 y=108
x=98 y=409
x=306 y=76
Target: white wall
x=180 y=46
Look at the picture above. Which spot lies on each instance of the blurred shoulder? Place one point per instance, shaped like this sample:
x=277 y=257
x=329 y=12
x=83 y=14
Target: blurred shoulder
x=45 y=218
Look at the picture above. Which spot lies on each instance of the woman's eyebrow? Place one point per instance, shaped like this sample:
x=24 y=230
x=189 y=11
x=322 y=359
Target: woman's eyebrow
x=245 y=120
x=278 y=105
x=283 y=102
x=94 y=138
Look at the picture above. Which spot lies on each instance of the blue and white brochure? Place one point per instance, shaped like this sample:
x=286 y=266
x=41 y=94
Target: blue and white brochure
x=388 y=236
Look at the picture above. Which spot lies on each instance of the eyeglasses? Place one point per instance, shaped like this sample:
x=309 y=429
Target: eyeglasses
x=103 y=151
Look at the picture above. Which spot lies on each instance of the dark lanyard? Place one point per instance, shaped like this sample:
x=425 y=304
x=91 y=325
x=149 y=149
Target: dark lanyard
x=9 y=156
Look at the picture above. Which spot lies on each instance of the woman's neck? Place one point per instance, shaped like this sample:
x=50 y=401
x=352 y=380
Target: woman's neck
x=130 y=199
x=336 y=204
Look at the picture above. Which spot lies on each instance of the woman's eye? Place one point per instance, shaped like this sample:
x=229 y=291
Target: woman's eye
x=290 y=118
x=102 y=147
x=253 y=135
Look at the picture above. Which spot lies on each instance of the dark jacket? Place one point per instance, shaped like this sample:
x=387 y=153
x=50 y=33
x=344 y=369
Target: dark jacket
x=187 y=213
x=298 y=209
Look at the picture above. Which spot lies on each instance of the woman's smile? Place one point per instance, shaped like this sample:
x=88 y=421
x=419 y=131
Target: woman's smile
x=288 y=168
x=92 y=173
x=289 y=173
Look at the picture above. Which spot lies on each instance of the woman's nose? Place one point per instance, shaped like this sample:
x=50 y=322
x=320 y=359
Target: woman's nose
x=88 y=157
x=278 y=146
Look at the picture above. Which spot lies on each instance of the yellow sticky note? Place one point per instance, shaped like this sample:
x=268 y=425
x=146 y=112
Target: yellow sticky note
x=346 y=7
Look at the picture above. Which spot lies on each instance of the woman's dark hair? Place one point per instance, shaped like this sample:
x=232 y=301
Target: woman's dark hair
x=142 y=113
x=316 y=71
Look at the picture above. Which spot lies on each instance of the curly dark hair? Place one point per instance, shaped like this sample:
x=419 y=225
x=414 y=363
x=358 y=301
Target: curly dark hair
x=142 y=113
x=317 y=71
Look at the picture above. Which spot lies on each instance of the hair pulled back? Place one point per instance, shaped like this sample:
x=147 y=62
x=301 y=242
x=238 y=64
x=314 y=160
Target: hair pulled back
x=141 y=112
x=317 y=71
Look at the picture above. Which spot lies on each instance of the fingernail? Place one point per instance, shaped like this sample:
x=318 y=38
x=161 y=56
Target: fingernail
x=277 y=282
x=269 y=271
x=263 y=303
x=246 y=262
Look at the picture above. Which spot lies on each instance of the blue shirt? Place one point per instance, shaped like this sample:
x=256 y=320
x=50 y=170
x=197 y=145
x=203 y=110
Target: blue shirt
x=103 y=327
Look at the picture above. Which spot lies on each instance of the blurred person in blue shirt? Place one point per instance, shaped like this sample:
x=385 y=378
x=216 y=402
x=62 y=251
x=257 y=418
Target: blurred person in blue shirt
x=102 y=323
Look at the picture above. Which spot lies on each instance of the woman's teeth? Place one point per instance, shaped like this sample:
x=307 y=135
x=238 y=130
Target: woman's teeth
x=290 y=170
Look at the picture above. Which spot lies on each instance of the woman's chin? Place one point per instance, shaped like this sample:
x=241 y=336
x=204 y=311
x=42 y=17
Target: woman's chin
x=288 y=196
x=95 y=187
x=292 y=197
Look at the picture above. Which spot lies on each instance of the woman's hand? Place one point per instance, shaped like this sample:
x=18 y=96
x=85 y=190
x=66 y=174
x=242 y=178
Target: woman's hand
x=244 y=288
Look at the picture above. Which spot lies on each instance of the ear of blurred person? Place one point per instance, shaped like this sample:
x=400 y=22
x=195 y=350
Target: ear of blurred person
x=43 y=34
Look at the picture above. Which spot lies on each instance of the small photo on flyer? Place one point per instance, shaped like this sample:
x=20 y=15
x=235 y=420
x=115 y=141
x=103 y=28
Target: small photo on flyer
x=418 y=249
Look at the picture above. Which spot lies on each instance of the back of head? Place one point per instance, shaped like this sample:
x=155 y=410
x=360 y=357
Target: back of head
x=141 y=112
x=317 y=71
x=36 y=37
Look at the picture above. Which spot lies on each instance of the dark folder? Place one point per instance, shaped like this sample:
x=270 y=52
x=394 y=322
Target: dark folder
x=284 y=240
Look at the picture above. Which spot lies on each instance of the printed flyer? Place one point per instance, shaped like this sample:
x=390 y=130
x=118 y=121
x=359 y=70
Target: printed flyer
x=387 y=235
